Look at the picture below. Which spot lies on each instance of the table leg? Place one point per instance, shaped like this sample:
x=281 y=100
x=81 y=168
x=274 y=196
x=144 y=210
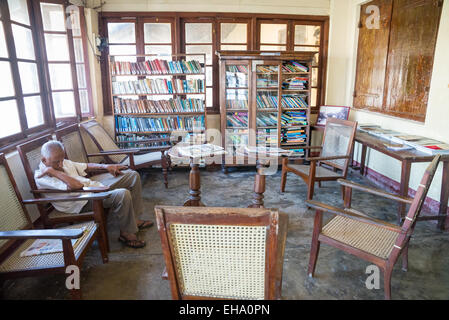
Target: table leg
x=259 y=188
x=444 y=197
x=362 y=160
x=403 y=189
x=195 y=185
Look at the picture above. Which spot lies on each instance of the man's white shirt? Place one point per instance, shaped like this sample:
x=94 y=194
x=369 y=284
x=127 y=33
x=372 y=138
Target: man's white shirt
x=75 y=170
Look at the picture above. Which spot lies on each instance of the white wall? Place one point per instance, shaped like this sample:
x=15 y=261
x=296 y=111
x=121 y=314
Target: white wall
x=343 y=37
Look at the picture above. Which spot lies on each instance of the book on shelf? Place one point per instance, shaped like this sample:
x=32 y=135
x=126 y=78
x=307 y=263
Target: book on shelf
x=266 y=82
x=267 y=120
x=293 y=66
x=293 y=135
x=295 y=83
x=47 y=246
x=136 y=124
x=266 y=100
x=293 y=101
x=237 y=137
x=158 y=106
x=237 y=119
x=155 y=66
x=267 y=137
x=267 y=69
x=294 y=118
x=158 y=86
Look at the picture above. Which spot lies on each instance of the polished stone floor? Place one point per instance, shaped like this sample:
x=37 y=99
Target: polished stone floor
x=136 y=274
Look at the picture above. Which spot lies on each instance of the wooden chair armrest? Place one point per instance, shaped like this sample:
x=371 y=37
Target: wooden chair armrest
x=42 y=234
x=84 y=197
x=327 y=158
x=85 y=189
x=114 y=152
x=375 y=191
x=351 y=215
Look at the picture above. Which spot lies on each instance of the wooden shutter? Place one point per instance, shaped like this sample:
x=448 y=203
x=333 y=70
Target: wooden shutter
x=413 y=35
x=372 y=57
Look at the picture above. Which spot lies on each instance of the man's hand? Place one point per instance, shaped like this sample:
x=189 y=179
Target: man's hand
x=114 y=169
x=48 y=171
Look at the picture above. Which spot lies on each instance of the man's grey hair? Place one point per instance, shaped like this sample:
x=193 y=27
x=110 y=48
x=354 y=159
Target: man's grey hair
x=51 y=146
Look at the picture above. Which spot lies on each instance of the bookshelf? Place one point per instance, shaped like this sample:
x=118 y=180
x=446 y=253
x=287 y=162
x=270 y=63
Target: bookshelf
x=153 y=96
x=265 y=100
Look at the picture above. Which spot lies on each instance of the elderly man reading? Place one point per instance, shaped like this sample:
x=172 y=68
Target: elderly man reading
x=125 y=201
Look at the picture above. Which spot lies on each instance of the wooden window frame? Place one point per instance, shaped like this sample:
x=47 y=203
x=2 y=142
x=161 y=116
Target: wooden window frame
x=253 y=21
x=50 y=122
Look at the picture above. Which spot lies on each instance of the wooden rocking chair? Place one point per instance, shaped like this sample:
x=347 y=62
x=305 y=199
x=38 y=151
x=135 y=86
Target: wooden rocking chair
x=370 y=239
x=338 y=141
x=223 y=253
x=17 y=234
x=135 y=158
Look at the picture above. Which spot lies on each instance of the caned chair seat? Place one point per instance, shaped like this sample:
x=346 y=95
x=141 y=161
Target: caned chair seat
x=52 y=260
x=320 y=172
x=367 y=237
x=144 y=158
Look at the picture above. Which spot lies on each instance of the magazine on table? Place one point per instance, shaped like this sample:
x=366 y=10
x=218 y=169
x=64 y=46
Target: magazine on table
x=46 y=246
x=201 y=150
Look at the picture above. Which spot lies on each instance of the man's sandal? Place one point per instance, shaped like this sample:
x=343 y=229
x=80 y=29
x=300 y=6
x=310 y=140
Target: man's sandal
x=145 y=224
x=132 y=243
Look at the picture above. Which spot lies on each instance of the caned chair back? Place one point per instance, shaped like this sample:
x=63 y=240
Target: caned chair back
x=338 y=140
x=73 y=143
x=30 y=154
x=13 y=215
x=219 y=253
x=102 y=139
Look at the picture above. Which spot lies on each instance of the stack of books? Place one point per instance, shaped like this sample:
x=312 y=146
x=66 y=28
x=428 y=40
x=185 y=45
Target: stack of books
x=294 y=67
x=158 y=86
x=158 y=106
x=237 y=119
x=267 y=120
x=296 y=83
x=294 y=118
x=266 y=83
x=267 y=69
x=293 y=136
x=156 y=66
x=131 y=124
x=267 y=137
x=237 y=104
x=265 y=100
x=294 y=101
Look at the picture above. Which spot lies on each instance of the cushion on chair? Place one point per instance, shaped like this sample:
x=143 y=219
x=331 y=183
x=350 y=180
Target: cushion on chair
x=144 y=158
x=52 y=260
x=367 y=237
x=320 y=172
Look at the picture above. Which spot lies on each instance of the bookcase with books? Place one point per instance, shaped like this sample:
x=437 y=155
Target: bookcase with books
x=264 y=100
x=156 y=95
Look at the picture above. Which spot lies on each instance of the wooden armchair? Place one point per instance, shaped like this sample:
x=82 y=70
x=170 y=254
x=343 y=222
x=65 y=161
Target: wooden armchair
x=135 y=158
x=370 y=239
x=338 y=141
x=30 y=155
x=223 y=253
x=17 y=234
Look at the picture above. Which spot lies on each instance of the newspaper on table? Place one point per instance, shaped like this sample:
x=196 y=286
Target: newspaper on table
x=46 y=246
x=201 y=150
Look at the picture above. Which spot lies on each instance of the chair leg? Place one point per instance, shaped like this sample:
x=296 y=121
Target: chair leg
x=103 y=247
x=342 y=193
x=319 y=184
x=283 y=179
x=164 y=172
x=405 y=258
x=387 y=282
x=315 y=247
x=310 y=188
x=165 y=166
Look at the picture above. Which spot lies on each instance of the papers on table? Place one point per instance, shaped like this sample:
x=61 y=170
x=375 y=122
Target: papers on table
x=201 y=150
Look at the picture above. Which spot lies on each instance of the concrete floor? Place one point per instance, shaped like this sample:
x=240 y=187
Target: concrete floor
x=136 y=273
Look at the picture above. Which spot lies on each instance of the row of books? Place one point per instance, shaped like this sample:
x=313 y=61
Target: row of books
x=237 y=137
x=400 y=141
x=158 y=106
x=237 y=68
x=267 y=82
x=294 y=118
x=237 y=104
x=135 y=124
x=141 y=141
x=294 y=66
x=267 y=69
x=293 y=135
x=294 y=101
x=158 y=86
x=267 y=120
x=265 y=100
x=156 y=66
x=237 y=119
x=296 y=83
x=267 y=137
x=236 y=80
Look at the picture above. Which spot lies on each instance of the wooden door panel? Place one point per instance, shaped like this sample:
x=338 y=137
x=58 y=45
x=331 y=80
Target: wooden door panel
x=414 y=28
x=372 y=57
